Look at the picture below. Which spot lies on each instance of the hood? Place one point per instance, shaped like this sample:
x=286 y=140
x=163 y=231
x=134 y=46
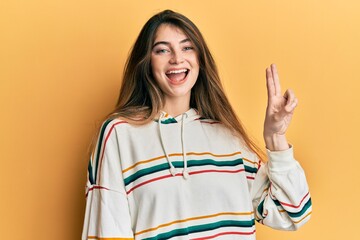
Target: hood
x=191 y=115
x=164 y=118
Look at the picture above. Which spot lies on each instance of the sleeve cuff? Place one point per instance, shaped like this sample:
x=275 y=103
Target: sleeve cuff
x=281 y=160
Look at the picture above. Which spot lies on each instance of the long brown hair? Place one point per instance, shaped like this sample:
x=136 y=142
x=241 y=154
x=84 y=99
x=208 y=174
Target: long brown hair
x=141 y=99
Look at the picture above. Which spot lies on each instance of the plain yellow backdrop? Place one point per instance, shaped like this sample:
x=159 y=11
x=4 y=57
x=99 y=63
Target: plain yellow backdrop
x=61 y=64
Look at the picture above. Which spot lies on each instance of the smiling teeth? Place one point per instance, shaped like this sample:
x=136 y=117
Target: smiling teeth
x=176 y=71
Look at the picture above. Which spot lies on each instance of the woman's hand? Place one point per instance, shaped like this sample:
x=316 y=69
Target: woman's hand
x=279 y=112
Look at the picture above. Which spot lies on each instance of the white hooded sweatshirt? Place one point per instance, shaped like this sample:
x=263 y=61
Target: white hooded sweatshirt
x=186 y=177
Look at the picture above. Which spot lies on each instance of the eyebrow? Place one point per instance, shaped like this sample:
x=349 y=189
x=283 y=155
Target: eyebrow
x=168 y=43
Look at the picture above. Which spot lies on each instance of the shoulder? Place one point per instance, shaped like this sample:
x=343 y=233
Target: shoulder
x=110 y=126
x=124 y=128
x=210 y=124
x=215 y=127
x=220 y=131
x=111 y=123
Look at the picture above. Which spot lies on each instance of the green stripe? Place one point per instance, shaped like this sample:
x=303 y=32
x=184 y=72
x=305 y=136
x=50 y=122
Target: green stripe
x=308 y=204
x=91 y=177
x=167 y=121
x=146 y=171
x=202 y=228
x=100 y=145
x=260 y=208
x=250 y=169
x=170 y=120
x=180 y=164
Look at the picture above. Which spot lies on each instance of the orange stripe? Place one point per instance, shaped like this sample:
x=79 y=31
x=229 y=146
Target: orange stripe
x=180 y=154
x=247 y=160
x=303 y=218
x=100 y=238
x=193 y=218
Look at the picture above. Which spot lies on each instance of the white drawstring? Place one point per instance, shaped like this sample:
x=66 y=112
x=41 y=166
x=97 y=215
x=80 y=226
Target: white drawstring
x=185 y=171
x=173 y=170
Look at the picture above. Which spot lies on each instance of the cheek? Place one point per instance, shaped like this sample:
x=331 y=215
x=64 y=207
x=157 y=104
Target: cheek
x=155 y=70
x=156 y=66
x=196 y=65
x=195 y=61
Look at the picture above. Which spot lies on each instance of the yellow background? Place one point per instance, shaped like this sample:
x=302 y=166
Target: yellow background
x=60 y=68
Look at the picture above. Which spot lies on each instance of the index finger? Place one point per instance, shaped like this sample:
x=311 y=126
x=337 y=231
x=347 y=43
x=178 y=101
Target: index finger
x=276 y=80
x=270 y=83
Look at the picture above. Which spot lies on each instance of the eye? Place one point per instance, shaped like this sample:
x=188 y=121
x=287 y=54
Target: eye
x=188 y=48
x=161 y=51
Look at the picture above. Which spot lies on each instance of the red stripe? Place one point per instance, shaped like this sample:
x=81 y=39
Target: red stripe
x=103 y=150
x=223 y=171
x=252 y=178
x=180 y=174
x=95 y=187
x=295 y=206
x=291 y=205
x=225 y=233
x=151 y=180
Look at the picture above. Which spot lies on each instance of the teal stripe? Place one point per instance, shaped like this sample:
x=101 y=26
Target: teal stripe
x=260 y=208
x=170 y=120
x=90 y=172
x=307 y=205
x=167 y=121
x=250 y=169
x=202 y=228
x=100 y=141
x=180 y=164
x=212 y=162
x=147 y=171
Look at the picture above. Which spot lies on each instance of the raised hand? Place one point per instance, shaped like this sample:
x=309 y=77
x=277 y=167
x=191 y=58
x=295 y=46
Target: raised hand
x=279 y=111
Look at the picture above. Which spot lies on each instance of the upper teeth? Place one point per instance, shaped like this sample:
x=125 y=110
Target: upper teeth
x=176 y=71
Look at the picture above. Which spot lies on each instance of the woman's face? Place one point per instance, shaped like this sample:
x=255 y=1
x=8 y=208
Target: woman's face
x=174 y=63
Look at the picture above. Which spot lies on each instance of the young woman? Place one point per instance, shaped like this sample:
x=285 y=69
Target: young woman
x=172 y=161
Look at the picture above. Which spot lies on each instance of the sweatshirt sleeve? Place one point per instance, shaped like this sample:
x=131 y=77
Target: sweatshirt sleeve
x=280 y=193
x=107 y=214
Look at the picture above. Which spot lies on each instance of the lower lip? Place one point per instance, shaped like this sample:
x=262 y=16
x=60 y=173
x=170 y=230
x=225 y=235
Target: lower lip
x=178 y=82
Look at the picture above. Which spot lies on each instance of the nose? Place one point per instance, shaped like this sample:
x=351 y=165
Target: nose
x=177 y=57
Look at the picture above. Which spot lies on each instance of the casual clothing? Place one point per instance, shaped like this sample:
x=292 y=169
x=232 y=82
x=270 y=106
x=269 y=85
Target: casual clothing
x=186 y=177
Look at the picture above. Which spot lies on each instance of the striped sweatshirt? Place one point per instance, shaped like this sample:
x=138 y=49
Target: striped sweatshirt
x=187 y=177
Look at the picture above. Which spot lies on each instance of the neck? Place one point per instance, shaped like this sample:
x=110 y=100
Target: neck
x=176 y=106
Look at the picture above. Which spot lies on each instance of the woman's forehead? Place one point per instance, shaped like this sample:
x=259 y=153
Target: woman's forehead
x=169 y=33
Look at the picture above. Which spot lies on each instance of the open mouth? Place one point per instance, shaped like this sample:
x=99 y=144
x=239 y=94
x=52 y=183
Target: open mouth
x=178 y=75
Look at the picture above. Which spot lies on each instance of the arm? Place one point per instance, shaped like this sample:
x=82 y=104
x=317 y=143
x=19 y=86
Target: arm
x=280 y=192
x=107 y=212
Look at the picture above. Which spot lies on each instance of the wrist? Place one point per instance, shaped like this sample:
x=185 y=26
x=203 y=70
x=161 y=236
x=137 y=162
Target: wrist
x=276 y=142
